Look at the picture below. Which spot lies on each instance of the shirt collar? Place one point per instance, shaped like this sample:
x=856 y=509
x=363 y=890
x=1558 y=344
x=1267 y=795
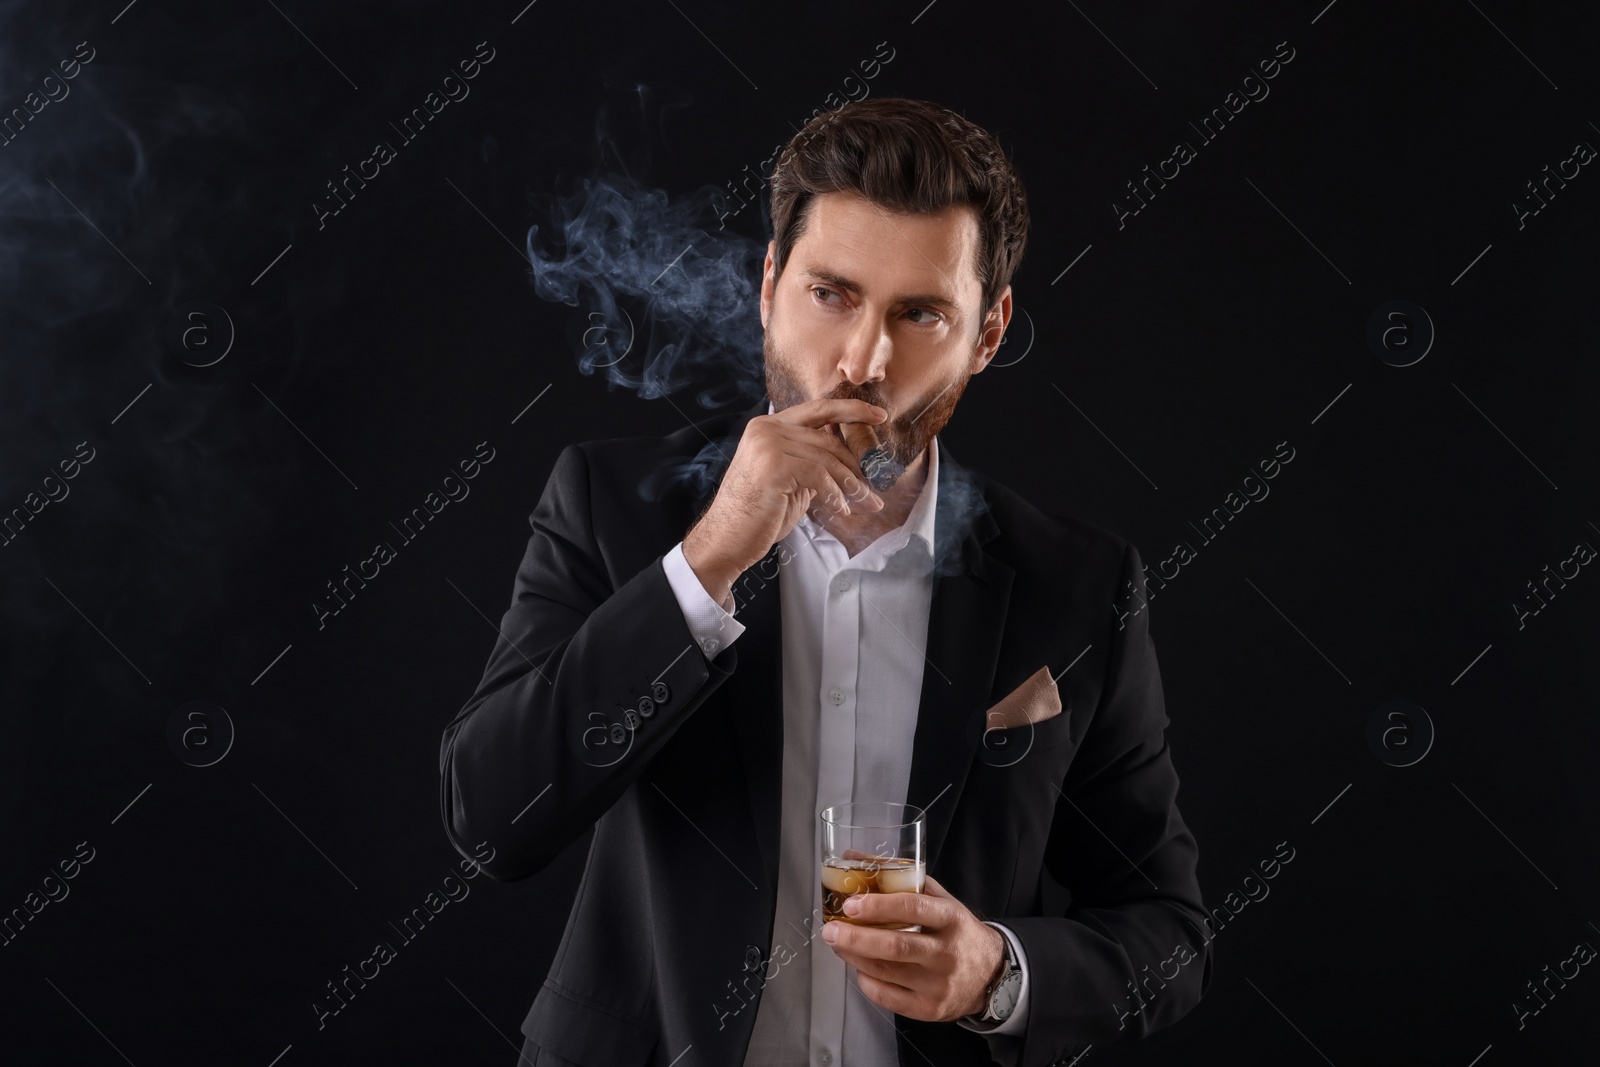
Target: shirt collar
x=919 y=523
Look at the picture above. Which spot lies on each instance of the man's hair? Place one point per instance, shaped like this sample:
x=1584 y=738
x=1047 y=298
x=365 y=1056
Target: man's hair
x=910 y=157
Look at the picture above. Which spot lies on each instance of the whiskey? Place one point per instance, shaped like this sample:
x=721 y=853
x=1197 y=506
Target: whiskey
x=842 y=878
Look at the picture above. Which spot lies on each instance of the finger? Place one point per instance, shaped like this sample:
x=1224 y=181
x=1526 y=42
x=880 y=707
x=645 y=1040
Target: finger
x=814 y=472
x=826 y=410
x=903 y=946
x=906 y=975
x=845 y=479
x=827 y=495
x=917 y=909
x=890 y=997
x=804 y=438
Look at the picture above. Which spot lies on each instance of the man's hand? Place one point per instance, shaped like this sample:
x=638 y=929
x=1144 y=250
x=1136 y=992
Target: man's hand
x=937 y=975
x=783 y=462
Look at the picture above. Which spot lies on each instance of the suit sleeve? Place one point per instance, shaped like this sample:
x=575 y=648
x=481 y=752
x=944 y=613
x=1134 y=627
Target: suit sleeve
x=1131 y=954
x=554 y=734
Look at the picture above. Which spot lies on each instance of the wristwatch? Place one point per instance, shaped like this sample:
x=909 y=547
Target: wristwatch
x=1002 y=996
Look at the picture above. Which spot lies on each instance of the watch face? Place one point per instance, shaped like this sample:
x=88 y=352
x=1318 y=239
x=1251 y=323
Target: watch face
x=1005 y=995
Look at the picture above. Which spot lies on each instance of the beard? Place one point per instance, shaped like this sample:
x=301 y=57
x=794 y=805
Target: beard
x=904 y=434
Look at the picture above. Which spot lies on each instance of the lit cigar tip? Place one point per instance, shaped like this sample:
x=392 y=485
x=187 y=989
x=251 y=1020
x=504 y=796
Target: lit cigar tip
x=877 y=463
x=881 y=469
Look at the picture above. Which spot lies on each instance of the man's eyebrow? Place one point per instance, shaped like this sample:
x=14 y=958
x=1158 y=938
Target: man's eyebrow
x=839 y=281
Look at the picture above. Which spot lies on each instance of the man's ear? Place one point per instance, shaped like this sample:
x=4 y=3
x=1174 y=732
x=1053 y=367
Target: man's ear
x=993 y=331
x=768 y=283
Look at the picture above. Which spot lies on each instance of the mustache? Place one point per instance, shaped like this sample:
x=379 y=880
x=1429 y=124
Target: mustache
x=872 y=395
x=848 y=391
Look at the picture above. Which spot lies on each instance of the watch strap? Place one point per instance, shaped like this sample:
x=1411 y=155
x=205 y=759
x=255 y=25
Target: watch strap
x=1011 y=970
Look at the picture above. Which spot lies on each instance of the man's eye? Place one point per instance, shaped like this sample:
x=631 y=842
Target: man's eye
x=923 y=311
x=825 y=292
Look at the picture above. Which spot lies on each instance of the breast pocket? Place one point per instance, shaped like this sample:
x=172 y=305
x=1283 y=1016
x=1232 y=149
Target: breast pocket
x=1006 y=746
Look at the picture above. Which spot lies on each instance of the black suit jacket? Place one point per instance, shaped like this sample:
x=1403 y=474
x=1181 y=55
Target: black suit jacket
x=598 y=709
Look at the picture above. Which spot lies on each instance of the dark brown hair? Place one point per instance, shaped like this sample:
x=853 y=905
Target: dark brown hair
x=910 y=157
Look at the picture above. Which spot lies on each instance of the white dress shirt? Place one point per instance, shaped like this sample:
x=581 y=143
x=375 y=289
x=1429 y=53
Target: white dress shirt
x=854 y=641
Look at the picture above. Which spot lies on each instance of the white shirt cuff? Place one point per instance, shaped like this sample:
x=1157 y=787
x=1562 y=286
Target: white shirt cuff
x=712 y=624
x=1017 y=1022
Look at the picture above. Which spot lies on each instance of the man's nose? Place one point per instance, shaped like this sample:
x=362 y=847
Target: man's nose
x=866 y=353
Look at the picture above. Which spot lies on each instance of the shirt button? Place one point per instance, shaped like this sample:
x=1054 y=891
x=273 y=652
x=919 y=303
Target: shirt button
x=824 y=1057
x=710 y=644
x=835 y=696
x=841 y=584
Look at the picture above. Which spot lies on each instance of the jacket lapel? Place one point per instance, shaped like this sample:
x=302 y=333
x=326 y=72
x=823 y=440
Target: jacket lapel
x=757 y=695
x=965 y=626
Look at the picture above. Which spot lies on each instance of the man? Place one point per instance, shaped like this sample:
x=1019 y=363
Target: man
x=656 y=683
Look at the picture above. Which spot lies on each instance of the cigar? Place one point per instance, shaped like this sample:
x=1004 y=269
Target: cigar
x=877 y=465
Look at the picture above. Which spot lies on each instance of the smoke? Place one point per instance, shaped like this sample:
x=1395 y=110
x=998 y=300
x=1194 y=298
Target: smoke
x=960 y=502
x=667 y=301
x=667 y=304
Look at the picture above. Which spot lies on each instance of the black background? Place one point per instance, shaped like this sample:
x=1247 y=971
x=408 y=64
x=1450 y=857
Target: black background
x=1140 y=387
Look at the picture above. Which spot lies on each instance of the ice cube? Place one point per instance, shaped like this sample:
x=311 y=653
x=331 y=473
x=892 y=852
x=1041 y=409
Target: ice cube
x=841 y=880
x=901 y=879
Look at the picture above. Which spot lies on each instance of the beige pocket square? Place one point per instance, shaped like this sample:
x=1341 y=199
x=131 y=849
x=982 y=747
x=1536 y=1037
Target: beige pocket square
x=1032 y=702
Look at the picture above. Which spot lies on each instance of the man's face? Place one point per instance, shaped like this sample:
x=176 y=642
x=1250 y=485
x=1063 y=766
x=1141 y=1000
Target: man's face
x=880 y=307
